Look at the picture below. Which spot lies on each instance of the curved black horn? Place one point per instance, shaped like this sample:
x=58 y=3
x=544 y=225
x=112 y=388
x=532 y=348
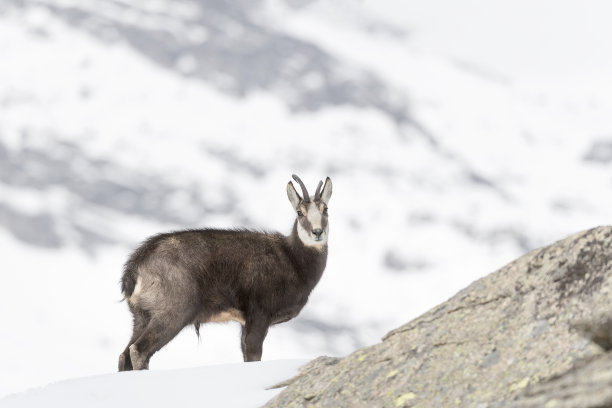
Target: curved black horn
x=304 y=191
x=318 y=192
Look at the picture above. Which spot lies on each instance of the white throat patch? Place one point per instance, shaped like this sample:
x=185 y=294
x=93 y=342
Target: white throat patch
x=308 y=240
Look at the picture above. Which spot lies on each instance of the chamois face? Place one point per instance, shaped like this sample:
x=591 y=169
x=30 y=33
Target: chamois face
x=312 y=217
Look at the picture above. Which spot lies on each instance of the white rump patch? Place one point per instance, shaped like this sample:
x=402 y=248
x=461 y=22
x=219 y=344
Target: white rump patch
x=138 y=286
x=133 y=299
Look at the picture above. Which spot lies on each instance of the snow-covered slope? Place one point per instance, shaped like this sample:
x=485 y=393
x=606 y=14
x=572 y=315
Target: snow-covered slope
x=121 y=119
x=230 y=385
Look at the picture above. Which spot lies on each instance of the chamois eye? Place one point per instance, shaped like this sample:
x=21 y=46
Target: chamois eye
x=325 y=210
x=300 y=213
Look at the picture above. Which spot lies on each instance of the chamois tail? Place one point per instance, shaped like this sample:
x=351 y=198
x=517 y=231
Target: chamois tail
x=128 y=280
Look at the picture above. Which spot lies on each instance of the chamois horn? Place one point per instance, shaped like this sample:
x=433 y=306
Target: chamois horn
x=304 y=191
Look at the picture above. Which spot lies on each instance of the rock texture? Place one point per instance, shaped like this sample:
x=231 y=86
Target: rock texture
x=588 y=385
x=532 y=334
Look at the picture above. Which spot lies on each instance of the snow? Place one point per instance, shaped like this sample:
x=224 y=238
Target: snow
x=105 y=140
x=229 y=385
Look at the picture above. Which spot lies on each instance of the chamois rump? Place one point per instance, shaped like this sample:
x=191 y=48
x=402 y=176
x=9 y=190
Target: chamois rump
x=214 y=275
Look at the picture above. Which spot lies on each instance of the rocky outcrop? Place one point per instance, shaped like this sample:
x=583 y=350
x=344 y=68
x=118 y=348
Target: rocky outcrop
x=588 y=384
x=532 y=334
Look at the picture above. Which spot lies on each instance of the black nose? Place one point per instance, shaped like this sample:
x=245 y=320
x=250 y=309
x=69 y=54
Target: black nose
x=317 y=232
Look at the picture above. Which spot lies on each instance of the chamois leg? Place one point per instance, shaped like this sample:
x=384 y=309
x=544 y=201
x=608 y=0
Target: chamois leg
x=159 y=331
x=243 y=341
x=141 y=319
x=253 y=335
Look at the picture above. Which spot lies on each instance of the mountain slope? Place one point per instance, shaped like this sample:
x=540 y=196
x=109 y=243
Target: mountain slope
x=119 y=121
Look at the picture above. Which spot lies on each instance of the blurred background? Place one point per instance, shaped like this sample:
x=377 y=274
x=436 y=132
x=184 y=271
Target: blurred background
x=458 y=135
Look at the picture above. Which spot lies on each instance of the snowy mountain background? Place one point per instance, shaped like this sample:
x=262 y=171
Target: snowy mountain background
x=458 y=136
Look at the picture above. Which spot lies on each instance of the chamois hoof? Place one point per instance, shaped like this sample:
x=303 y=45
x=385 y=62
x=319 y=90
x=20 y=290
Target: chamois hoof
x=138 y=360
x=125 y=364
x=121 y=362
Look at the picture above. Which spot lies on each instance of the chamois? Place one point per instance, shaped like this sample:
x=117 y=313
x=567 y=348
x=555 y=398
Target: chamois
x=215 y=275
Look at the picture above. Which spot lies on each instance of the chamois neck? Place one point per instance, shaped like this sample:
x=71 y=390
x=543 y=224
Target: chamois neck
x=310 y=261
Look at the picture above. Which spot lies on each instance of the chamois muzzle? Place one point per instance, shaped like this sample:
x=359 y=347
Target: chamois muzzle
x=318 y=232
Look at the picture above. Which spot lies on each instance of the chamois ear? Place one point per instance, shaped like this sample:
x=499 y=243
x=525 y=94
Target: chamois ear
x=327 y=191
x=294 y=197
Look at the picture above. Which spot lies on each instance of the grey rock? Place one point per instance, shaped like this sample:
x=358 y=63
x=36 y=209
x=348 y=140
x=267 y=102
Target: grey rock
x=600 y=152
x=38 y=229
x=516 y=337
x=490 y=359
x=95 y=184
x=597 y=329
x=238 y=54
x=398 y=263
x=587 y=385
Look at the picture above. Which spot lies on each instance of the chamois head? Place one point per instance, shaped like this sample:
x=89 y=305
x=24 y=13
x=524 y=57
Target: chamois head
x=312 y=226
